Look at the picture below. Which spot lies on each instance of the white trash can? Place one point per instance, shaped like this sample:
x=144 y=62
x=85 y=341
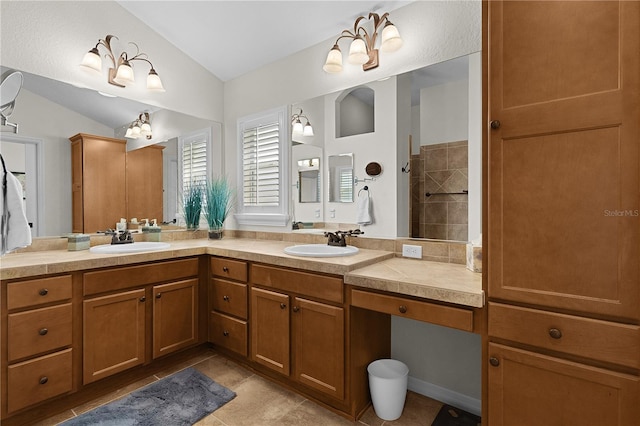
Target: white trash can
x=388 y=387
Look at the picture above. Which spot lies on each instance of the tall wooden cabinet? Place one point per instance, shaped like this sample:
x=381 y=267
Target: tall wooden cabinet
x=98 y=185
x=563 y=200
x=109 y=183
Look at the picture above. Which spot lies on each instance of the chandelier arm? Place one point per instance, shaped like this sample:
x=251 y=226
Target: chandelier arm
x=355 y=24
x=107 y=44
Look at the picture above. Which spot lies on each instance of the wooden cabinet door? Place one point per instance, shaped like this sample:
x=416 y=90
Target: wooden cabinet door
x=270 y=330
x=175 y=316
x=77 y=202
x=563 y=202
x=529 y=389
x=113 y=334
x=144 y=183
x=318 y=339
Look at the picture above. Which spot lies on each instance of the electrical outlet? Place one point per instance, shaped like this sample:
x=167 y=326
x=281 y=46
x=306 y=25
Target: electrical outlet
x=412 y=251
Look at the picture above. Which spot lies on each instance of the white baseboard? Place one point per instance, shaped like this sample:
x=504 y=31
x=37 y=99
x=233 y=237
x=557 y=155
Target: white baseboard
x=472 y=405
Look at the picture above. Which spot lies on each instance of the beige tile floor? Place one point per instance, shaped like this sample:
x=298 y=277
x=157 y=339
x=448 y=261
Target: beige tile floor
x=260 y=402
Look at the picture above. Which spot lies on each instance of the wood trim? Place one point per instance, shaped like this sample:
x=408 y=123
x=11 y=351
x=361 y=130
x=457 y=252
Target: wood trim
x=309 y=284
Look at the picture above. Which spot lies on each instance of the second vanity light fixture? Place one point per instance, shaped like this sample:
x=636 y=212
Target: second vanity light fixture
x=362 y=50
x=141 y=127
x=307 y=130
x=121 y=72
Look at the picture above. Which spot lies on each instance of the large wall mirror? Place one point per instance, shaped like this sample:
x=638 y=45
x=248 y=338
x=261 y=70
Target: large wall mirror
x=48 y=112
x=437 y=141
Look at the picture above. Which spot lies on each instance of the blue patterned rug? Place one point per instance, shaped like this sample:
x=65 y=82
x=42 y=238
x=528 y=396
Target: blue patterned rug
x=180 y=399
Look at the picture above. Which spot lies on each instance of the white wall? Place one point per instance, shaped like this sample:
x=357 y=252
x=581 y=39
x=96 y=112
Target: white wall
x=49 y=38
x=40 y=118
x=444 y=113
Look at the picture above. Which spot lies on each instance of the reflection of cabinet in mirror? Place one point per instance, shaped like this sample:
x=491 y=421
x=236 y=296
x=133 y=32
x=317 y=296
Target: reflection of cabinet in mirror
x=99 y=176
x=355 y=112
x=341 y=178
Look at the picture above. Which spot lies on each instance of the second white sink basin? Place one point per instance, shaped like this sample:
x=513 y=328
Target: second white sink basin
x=129 y=248
x=320 y=250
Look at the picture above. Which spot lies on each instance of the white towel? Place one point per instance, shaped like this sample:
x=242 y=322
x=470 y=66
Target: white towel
x=363 y=216
x=16 y=232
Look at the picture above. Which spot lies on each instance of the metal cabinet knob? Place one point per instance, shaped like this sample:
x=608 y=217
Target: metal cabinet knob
x=283 y=305
x=43 y=292
x=43 y=331
x=43 y=380
x=495 y=124
x=225 y=269
x=143 y=298
x=402 y=309
x=158 y=296
x=225 y=298
x=225 y=333
x=494 y=361
x=296 y=309
x=555 y=333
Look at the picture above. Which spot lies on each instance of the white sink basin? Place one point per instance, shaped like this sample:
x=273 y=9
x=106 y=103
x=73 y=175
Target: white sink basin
x=129 y=248
x=320 y=250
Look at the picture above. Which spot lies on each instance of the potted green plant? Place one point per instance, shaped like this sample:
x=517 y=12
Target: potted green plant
x=192 y=205
x=218 y=202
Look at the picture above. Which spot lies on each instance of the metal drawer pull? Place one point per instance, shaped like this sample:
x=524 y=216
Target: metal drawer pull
x=43 y=331
x=225 y=333
x=44 y=380
x=158 y=296
x=494 y=361
x=282 y=306
x=555 y=333
x=43 y=292
x=495 y=124
x=225 y=298
x=402 y=309
x=225 y=269
x=296 y=309
x=143 y=298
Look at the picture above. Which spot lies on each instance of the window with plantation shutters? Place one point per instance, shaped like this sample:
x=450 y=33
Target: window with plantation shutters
x=194 y=162
x=261 y=165
x=346 y=185
x=263 y=174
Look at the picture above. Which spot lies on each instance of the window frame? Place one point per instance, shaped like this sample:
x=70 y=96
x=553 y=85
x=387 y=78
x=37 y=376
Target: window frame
x=265 y=215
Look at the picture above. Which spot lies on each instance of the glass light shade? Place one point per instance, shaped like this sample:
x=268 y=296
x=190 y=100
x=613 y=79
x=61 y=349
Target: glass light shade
x=334 y=61
x=145 y=129
x=124 y=74
x=308 y=130
x=135 y=131
x=391 y=40
x=92 y=60
x=129 y=133
x=297 y=126
x=153 y=82
x=358 y=52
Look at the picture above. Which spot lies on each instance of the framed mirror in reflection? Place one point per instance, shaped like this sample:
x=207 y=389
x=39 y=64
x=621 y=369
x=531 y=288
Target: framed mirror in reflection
x=341 y=178
x=309 y=184
x=49 y=112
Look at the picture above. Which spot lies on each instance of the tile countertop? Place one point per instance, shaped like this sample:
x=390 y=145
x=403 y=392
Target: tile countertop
x=445 y=282
x=375 y=269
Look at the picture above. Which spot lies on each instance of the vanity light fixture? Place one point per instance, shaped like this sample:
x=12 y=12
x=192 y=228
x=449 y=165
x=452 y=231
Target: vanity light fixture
x=362 y=50
x=141 y=127
x=121 y=72
x=307 y=130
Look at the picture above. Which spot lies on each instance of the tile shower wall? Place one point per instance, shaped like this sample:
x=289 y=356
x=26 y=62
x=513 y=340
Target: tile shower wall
x=440 y=168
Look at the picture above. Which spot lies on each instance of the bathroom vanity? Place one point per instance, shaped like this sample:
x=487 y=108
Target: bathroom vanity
x=110 y=318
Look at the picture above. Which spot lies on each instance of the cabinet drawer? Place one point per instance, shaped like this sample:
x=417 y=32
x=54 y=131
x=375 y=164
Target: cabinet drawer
x=30 y=293
x=229 y=333
x=39 y=330
x=586 y=337
x=227 y=268
x=138 y=276
x=433 y=313
x=229 y=297
x=38 y=379
x=313 y=285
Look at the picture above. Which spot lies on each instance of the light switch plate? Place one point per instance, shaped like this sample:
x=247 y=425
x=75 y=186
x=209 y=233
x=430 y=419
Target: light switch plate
x=412 y=251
